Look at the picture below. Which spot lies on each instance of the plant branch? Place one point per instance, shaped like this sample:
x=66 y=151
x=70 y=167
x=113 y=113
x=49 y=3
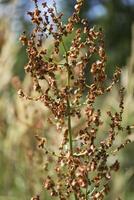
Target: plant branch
x=68 y=103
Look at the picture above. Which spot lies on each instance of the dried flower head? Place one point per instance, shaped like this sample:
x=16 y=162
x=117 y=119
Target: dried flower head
x=81 y=165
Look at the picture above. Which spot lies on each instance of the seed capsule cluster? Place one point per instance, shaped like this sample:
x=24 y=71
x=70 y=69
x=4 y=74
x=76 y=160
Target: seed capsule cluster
x=81 y=165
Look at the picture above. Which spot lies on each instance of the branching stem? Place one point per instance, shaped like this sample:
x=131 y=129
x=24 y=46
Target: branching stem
x=68 y=103
x=69 y=109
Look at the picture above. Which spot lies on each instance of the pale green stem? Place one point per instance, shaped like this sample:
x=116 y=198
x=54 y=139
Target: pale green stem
x=68 y=106
x=68 y=111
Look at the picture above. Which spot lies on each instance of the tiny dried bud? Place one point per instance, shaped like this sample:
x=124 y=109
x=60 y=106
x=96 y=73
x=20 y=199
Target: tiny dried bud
x=23 y=39
x=36 y=198
x=69 y=27
x=20 y=93
x=41 y=141
x=48 y=183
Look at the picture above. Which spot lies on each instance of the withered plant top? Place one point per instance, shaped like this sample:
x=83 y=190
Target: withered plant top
x=81 y=165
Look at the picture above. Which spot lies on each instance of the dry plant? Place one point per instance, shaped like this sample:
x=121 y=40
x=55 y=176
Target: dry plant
x=80 y=168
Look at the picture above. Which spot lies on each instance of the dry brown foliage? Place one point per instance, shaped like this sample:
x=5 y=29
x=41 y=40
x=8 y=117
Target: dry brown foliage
x=81 y=165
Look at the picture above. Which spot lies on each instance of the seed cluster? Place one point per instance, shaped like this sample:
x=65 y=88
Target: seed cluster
x=81 y=165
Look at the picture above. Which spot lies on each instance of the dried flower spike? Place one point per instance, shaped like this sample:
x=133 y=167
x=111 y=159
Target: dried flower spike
x=81 y=164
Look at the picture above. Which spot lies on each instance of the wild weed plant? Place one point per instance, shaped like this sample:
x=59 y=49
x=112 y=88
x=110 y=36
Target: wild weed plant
x=82 y=166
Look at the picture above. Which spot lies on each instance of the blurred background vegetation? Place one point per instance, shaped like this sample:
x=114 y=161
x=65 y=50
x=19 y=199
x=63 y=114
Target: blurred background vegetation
x=21 y=164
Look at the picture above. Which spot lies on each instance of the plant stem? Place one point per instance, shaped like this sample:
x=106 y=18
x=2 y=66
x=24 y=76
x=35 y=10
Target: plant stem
x=69 y=128
x=69 y=118
x=68 y=109
x=86 y=194
x=68 y=104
